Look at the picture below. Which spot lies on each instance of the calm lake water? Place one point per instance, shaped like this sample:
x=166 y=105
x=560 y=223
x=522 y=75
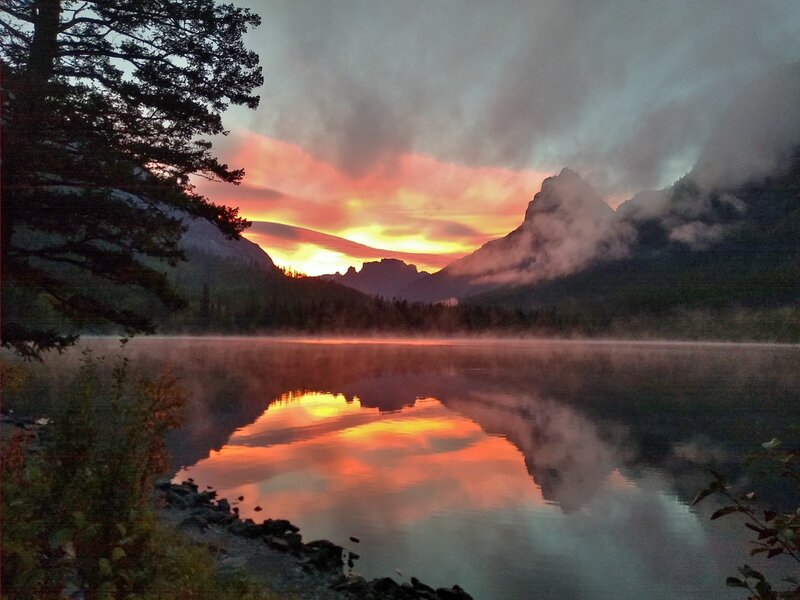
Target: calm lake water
x=517 y=469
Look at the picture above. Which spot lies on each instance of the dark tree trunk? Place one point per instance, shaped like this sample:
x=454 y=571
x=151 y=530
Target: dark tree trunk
x=28 y=116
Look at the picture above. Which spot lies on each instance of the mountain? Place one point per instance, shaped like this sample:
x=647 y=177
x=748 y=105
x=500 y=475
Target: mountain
x=722 y=238
x=566 y=227
x=731 y=249
x=204 y=237
x=234 y=286
x=385 y=278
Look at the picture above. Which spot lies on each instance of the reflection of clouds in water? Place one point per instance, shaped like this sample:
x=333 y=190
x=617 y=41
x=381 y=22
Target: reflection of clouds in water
x=563 y=450
x=609 y=432
x=701 y=451
x=436 y=482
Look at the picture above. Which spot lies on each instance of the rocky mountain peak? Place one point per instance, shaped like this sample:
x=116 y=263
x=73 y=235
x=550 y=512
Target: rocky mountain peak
x=388 y=266
x=567 y=192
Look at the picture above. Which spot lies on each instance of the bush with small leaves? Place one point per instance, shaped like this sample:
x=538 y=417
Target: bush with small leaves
x=777 y=532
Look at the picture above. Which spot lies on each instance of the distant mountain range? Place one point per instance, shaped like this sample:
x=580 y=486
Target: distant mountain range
x=725 y=235
x=718 y=241
x=387 y=278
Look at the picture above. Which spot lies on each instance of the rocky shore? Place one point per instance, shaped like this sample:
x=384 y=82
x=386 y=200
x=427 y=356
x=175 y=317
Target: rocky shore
x=273 y=551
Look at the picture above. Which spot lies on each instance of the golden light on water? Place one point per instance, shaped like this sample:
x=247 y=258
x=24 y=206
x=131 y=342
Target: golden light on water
x=309 y=452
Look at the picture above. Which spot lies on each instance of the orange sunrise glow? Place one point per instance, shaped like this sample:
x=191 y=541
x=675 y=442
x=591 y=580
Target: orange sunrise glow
x=417 y=209
x=340 y=446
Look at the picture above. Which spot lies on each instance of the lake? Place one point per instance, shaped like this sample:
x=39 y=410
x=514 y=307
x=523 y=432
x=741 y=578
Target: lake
x=517 y=469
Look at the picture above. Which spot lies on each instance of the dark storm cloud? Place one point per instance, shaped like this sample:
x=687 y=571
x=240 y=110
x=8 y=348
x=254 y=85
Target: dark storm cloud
x=624 y=91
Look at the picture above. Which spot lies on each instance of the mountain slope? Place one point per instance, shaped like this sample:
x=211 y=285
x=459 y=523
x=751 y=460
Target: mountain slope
x=566 y=227
x=734 y=248
x=724 y=236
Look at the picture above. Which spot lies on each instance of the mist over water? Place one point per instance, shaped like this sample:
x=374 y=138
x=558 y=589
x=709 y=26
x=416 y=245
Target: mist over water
x=513 y=468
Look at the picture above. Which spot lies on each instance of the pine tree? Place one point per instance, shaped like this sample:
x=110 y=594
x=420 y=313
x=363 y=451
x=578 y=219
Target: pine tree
x=107 y=107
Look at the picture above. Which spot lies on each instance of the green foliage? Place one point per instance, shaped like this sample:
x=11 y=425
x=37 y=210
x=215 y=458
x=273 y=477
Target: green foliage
x=106 y=105
x=777 y=532
x=76 y=506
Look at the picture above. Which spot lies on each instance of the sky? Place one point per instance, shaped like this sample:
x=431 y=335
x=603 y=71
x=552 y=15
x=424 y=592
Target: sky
x=421 y=129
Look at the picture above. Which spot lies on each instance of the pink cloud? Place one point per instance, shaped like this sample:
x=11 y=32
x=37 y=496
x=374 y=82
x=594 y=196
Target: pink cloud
x=423 y=210
x=285 y=238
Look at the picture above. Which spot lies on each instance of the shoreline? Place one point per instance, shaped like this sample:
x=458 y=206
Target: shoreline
x=274 y=552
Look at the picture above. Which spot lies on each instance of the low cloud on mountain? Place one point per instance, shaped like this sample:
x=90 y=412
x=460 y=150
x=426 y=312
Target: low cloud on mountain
x=567 y=226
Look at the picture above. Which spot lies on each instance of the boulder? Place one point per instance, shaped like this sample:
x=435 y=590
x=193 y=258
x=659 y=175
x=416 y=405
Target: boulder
x=453 y=593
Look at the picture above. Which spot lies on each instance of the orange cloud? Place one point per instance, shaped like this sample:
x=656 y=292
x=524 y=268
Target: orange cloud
x=430 y=212
x=288 y=244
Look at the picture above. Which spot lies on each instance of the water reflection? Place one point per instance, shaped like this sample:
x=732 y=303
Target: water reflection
x=519 y=470
x=421 y=460
x=444 y=487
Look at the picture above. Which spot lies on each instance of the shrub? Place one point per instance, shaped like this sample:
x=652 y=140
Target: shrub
x=777 y=532
x=76 y=506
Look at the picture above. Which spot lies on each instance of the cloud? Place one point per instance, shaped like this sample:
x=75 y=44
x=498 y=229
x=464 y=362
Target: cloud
x=757 y=134
x=421 y=128
x=698 y=235
x=317 y=253
x=626 y=92
x=567 y=227
x=419 y=208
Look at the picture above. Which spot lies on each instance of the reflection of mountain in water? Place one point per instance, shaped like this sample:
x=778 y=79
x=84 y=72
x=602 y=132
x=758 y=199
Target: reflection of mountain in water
x=575 y=411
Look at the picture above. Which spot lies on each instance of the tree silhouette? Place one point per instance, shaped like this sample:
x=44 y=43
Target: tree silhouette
x=106 y=110
x=205 y=305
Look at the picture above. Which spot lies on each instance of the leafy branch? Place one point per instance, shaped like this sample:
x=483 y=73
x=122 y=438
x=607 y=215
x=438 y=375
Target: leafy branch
x=777 y=532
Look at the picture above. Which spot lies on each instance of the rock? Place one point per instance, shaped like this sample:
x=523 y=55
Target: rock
x=213 y=516
x=252 y=530
x=237 y=527
x=324 y=555
x=418 y=585
x=207 y=496
x=453 y=593
x=409 y=591
x=182 y=489
x=277 y=543
x=355 y=585
x=195 y=521
x=193 y=500
x=278 y=527
x=295 y=540
x=385 y=586
x=233 y=564
x=176 y=500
